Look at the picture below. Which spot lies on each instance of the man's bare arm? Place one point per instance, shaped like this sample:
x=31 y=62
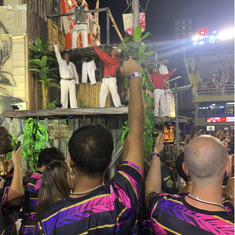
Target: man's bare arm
x=153 y=181
x=16 y=188
x=134 y=144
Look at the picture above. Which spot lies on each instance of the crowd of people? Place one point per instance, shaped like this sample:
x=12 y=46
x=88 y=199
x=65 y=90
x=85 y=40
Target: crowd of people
x=226 y=137
x=215 y=110
x=218 y=79
x=77 y=198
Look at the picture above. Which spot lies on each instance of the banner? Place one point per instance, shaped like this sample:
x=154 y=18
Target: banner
x=128 y=22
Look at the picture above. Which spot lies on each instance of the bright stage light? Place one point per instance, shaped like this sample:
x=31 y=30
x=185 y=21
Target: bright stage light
x=201 y=43
x=226 y=34
x=195 y=38
x=202 y=32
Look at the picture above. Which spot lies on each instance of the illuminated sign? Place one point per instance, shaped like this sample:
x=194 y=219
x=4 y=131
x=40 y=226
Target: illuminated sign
x=220 y=119
x=210 y=128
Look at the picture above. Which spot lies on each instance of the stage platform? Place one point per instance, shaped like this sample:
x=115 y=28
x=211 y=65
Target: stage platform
x=63 y=113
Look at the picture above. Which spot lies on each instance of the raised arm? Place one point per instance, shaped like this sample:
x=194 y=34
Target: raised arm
x=16 y=188
x=153 y=181
x=106 y=58
x=165 y=76
x=134 y=144
x=99 y=52
x=57 y=51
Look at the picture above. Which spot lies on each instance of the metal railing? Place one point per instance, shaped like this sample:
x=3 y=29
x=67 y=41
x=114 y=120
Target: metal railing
x=208 y=90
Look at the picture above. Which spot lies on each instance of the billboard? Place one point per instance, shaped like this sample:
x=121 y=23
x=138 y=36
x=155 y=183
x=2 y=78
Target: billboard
x=220 y=119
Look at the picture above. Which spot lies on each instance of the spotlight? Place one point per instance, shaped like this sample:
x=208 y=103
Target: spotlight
x=202 y=32
x=226 y=34
x=195 y=38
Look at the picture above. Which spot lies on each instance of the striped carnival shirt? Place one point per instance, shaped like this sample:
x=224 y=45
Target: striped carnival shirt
x=110 y=209
x=171 y=214
x=29 y=209
x=6 y=223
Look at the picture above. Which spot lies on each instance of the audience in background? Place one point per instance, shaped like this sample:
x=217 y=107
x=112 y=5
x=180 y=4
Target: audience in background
x=217 y=80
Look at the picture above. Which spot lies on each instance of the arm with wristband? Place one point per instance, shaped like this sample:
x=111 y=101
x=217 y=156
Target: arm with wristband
x=153 y=181
x=133 y=150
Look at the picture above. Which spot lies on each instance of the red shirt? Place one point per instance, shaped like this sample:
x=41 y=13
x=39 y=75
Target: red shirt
x=111 y=64
x=158 y=79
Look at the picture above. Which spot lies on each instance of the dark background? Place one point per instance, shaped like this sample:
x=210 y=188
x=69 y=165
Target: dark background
x=160 y=22
x=161 y=15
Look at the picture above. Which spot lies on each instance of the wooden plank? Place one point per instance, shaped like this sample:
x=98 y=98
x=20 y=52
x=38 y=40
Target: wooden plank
x=123 y=111
x=115 y=26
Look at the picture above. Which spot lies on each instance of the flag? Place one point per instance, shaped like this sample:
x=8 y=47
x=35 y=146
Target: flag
x=128 y=22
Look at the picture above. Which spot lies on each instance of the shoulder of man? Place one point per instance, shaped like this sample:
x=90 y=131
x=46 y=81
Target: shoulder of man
x=128 y=176
x=54 y=209
x=153 y=198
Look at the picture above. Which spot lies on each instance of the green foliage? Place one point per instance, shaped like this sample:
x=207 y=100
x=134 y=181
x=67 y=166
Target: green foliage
x=39 y=50
x=41 y=61
x=138 y=50
x=125 y=132
x=35 y=136
x=135 y=47
x=83 y=104
x=51 y=105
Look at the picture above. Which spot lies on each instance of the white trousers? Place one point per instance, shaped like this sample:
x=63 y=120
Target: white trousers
x=109 y=85
x=160 y=103
x=79 y=28
x=88 y=68
x=68 y=87
x=170 y=104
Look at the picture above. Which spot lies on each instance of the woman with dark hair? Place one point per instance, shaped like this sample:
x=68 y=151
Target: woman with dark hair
x=32 y=186
x=54 y=185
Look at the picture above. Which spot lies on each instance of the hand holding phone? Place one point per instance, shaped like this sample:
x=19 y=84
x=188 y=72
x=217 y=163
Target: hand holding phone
x=18 y=145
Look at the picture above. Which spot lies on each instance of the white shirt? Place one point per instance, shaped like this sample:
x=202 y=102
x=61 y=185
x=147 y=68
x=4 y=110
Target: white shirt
x=66 y=70
x=163 y=69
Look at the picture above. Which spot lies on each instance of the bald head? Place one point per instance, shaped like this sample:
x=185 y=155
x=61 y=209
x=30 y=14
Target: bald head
x=205 y=159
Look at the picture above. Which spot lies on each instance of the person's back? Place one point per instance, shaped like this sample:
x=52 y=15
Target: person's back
x=202 y=211
x=93 y=207
x=108 y=209
x=28 y=222
x=30 y=203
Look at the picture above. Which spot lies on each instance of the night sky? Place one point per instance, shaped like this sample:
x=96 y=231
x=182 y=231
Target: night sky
x=160 y=21
x=161 y=15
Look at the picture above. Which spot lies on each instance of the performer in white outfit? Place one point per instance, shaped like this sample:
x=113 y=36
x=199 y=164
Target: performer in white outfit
x=81 y=25
x=109 y=82
x=69 y=77
x=88 y=69
x=160 y=100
